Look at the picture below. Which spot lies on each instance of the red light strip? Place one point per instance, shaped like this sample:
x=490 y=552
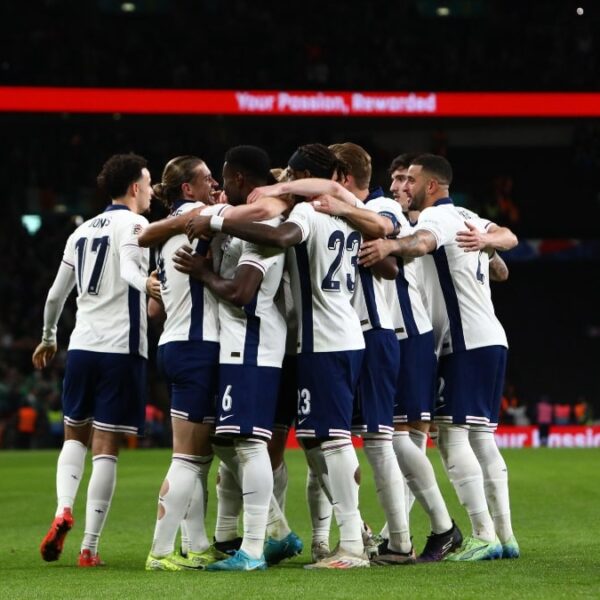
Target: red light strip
x=288 y=103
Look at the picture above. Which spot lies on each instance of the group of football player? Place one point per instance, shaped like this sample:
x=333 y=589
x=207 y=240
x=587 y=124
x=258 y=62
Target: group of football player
x=298 y=297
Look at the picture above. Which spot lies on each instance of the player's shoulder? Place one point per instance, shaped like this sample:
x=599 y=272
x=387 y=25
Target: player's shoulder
x=186 y=206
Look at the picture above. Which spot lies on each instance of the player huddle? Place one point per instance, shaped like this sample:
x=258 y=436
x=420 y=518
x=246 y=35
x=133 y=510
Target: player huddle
x=311 y=302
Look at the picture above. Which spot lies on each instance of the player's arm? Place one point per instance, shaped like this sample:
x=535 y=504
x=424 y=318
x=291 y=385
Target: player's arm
x=239 y=291
x=283 y=236
x=57 y=295
x=498 y=268
x=386 y=268
x=418 y=244
x=160 y=231
x=130 y=264
x=493 y=238
x=263 y=209
x=368 y=222
x=309 y=187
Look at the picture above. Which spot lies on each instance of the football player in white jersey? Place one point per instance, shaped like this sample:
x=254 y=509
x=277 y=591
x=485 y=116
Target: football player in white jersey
x=252 y=337
x=472 y=347
x=416 y=382
x=330 y=341
x=188 y=356
x=105 y=377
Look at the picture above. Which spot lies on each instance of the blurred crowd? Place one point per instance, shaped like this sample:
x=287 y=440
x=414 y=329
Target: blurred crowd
x=386 y=45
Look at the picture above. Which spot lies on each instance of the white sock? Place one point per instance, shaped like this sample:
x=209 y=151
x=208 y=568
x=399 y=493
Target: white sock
x=277 y=525
x=193 y=524
x=99 y=496
x=280 y=483
x=257 y=490
x=318 y=495
x=495 y=480
x=173 y=502
x=229 y=494
x=420 y=477
x=69 y=471
x=389 y=484
x=466 y=476
x=342 y=467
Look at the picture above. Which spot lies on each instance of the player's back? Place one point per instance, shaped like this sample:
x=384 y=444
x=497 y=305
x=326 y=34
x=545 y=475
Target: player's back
x=253 y=334
x=111 y=315
x=190 y=306
x=457 y=284
x=323 y=275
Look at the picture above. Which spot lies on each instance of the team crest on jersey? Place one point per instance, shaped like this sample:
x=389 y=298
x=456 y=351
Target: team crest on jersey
x=137 y=229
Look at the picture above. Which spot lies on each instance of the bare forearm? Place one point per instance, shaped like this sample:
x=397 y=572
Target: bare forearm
x=501 y=238
x=386 y=268
x=498 y=268
x=261 y=210
x=160 y=231
x=370 y=224
x=257 y=233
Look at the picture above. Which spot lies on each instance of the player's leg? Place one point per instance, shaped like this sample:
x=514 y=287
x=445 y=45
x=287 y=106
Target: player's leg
x=327 y=383
x=276 y=448
x=318 y=497
x=374 y=406
x=78 y=415
x=495 y=472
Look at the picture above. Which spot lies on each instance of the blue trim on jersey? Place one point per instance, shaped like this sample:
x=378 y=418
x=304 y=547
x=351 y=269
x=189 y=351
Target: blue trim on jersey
x=452 y=307
x=134 y=320
x=252 y=333
x=306 y=296
x=202 y=247
x=197 y=313
x=366 y=278
x=178 y=204
x=116 y=207
x=443 y=201
x=376 y=193
x=404 y=299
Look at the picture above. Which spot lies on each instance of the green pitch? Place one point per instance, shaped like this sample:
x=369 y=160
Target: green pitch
x=556 y=517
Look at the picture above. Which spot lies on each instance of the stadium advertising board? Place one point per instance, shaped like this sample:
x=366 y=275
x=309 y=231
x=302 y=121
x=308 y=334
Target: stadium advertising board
x=299 y=103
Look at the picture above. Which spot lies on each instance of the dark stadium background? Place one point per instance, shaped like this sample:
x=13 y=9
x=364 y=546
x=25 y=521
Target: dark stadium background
x=539 y=176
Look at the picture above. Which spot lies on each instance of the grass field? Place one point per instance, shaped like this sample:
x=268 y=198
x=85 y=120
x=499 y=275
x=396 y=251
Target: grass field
x=556 y=516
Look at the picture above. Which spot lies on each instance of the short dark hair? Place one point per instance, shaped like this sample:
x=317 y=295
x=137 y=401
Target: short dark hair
x=253 y=162
x=436 y=165
x=318 y=159
x=402 y=161
x=119 y=172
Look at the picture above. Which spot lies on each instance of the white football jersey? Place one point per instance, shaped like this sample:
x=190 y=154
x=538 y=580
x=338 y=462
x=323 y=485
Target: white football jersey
x=369 y=300
x=191 y=308
x=111 y=315
x=404 y=295
x=285 y=303
x=253 y=334
x=457 y=283
x=323 y=278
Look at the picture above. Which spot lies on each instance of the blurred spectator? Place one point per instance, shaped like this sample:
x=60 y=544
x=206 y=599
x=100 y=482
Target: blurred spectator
x=562 y=413
x=581 y=411
x=544 y=418
x=27 y=421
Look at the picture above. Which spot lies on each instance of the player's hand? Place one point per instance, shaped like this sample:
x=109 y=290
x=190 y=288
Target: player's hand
x=187 y=261
x=330 y=206
x=472 y=239
x=153 y=286
x=265 y=190
x=217 y=197
x=198 y=227
x=43 y=354
x=373 y=251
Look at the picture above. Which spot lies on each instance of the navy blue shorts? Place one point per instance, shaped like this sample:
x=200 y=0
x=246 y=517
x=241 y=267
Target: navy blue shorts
x=415 y=390
x=287 y=401
x=106 y=389
x=247 y=400
x=470 y=386
x=374 y=402
x=191 y=370
x=327 y=384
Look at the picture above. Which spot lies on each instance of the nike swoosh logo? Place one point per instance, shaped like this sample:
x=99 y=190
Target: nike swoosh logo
x=222 y=418
x=300 y=421
x=323 y=518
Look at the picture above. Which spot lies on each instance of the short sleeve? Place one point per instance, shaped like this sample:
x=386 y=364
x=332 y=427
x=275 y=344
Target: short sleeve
x=130 y=230
x=302 y=215
x=432 y=220
x=261 y=257
x=390 y=209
